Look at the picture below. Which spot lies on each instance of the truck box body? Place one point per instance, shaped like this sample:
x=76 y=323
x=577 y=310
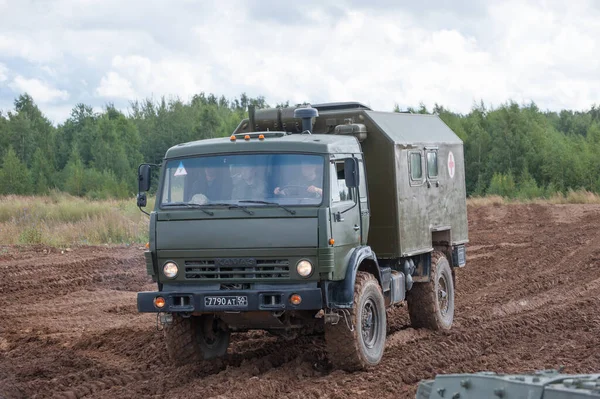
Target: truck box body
x=405 y=211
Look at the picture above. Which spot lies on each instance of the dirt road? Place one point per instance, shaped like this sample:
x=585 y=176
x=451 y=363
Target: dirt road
x=528 y=299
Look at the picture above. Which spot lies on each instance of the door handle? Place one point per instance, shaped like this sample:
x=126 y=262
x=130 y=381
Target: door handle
x=356 y=227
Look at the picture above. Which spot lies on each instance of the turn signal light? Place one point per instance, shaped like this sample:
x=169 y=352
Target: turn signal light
x=147 y=245
x=232 y=137
x=331 y=241
x=295 y=299
x=247 y=137
x=159 y=302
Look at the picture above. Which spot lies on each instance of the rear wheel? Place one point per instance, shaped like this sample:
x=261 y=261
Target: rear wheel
x=357 y=341
x=196 y=338
x=431 y=304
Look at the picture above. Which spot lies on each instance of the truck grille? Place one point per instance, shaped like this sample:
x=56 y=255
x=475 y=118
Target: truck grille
x=237 y=268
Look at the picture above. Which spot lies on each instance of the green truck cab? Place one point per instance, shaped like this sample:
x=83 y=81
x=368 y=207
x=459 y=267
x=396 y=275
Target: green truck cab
x=307 y=220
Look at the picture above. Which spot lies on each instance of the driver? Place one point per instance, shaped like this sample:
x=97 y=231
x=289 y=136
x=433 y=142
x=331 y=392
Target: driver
x=310 y=179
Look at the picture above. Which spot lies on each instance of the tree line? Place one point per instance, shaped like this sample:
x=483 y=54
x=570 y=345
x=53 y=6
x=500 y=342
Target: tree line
x=520 y=151
x=511 y=150
x=96 y=154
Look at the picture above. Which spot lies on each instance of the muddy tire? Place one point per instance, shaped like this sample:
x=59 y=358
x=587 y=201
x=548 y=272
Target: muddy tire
x=431 y=304
x=362 y=348
x=194 y=339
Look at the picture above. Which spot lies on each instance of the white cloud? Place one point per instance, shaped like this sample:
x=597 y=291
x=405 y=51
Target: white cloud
x=51 y=72
x=380 y=53
x=39 y=90
x=367 y=56
x=135 y=76
x=115 y=86
x=57 y=113
x=3 y=73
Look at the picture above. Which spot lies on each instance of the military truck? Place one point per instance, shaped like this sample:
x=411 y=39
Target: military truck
x=308 y=219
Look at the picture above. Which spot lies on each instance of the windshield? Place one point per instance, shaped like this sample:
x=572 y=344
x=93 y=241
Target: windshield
x=244 y=179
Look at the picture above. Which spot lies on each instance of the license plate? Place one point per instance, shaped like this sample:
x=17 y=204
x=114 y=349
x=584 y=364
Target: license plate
x=226 y=301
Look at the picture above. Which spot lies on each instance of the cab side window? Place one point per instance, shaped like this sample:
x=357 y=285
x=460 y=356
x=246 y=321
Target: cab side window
x=363 y=180
x=339 y=191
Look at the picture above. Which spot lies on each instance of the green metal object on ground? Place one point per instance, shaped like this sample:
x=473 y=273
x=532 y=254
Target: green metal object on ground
x=539 y=385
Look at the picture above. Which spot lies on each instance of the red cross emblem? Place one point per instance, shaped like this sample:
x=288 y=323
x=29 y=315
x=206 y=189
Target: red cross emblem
x=451 y=165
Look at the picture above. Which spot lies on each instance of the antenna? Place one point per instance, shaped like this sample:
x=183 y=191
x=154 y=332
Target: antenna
x=306 y=114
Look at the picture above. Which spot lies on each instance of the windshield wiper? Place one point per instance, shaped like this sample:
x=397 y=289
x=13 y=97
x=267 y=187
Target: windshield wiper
x=243 y=208
x=188 y=205
x=293 y=212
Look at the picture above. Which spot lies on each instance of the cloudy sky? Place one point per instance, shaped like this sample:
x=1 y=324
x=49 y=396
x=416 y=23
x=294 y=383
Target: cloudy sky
x=379 y=52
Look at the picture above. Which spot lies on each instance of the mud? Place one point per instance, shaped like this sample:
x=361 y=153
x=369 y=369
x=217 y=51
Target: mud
x=528 y=299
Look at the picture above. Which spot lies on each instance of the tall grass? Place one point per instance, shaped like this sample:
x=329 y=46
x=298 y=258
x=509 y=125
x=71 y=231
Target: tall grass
x=60 y=219
x=570 y=197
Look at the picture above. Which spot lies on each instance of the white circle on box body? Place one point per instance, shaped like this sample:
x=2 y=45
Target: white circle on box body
x=451 y=165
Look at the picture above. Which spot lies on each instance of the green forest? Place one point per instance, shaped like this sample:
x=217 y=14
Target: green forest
x=516 y=151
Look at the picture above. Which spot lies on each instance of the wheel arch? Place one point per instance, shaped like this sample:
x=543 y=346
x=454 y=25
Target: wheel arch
x=441 y=240
x=340 y=294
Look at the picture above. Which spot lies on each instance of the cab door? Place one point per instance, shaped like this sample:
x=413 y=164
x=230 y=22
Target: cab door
x=345 y=210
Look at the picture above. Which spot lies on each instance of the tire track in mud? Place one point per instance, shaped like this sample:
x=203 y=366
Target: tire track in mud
x=47 y=276
x=511 y=344
x=528 y=299
x=248 y=359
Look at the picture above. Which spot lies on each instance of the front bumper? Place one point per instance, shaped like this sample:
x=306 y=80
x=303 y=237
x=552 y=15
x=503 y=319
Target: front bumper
x=257 y=299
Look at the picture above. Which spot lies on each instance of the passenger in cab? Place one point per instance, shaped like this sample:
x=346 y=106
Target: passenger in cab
x=214 y=183
x=249 y=185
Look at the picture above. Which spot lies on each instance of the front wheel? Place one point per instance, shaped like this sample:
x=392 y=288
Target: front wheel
x=357 y=341
x=431 y=304
x=196 y=338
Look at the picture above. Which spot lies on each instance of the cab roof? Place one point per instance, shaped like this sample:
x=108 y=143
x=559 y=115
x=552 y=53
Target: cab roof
x=273 y=142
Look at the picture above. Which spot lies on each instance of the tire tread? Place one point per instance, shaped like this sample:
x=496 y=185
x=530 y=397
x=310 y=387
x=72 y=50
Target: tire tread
x=422 y=300
x=342 y=344
x=181 y=342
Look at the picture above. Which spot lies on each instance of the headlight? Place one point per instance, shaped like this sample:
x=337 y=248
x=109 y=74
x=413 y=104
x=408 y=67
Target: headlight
x=170 y=269
x=304 y=268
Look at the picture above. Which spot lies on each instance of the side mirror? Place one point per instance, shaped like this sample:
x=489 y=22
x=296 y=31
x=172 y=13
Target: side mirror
x=143 y=178
x=351 y=172
x=141 y=200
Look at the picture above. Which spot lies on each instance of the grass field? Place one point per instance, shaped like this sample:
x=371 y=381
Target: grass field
x=62 y=220
x=571 y=197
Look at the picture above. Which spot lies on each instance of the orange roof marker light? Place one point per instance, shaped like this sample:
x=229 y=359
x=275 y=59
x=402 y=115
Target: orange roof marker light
x=232 y=137
x=331 y=241
x=261 y=136
x=247 y=137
